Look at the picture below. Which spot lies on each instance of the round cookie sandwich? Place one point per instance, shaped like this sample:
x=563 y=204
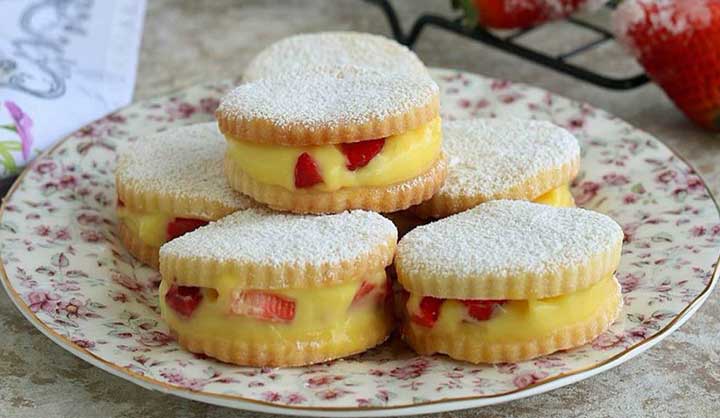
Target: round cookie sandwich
x=264 y=288
x=171 y=183
x=492 y=159
x=353 y=138
x=509 y=280
x=333 y=49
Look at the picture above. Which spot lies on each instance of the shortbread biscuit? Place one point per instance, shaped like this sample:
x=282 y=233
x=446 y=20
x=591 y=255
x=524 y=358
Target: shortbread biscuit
x=509 y=280
x=170 y=183
x=492 y=159
x=333 y=49
x=264 y=288
x=326 y=142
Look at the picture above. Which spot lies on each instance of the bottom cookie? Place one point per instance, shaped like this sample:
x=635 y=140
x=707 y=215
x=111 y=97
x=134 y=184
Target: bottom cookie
x=472 y=347
x=137 y=248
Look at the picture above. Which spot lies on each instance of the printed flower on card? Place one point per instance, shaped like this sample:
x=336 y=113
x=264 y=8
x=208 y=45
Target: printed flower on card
x=23 y=127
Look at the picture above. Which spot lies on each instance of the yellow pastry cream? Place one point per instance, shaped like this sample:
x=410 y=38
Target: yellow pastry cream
x=155 y=228
x=559 y=197
x=399 y=158
x=512 y=321
x=265 y=316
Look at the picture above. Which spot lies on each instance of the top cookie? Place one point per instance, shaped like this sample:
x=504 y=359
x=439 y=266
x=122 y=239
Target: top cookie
x=491 y=159
x=509 y=249
x=348 y=104
x=179 y=171
x=333 y=49
x=267 y=250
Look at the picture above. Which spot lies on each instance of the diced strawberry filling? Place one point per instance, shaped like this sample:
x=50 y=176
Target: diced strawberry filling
x=263 y=305
x=482 y=310
x=181 y=226
x=364 y=290
x=429 y=311
x=359 y=154
x=307 y=173
x=183 y=299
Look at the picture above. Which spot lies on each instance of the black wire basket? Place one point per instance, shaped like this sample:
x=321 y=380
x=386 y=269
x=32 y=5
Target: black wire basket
x=508 y=41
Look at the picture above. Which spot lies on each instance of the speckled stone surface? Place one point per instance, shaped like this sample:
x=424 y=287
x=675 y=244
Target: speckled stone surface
x=187 y=42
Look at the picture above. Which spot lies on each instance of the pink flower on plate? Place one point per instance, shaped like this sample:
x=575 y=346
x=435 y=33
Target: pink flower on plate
x=526 y=379
x=318 y=381
x=75 y=308
x=23 y=126
x=42 y=301
x=587 y=191
x=615 y=179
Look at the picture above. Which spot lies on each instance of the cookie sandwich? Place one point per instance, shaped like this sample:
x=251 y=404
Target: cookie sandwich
x=333 y=49
x=265 y=288
x=509 y=281
x=169 y=184
x=326 y=142
x=492 y=159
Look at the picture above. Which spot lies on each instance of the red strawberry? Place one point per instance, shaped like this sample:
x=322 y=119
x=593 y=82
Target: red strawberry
x=306 y=172
x=183 y=299
x=181 y=226
x=364 y=290
x=429 y=311
x=481 y=310
x=515 y=14
x=263 y=305
x=359 y=154
x=678 y=44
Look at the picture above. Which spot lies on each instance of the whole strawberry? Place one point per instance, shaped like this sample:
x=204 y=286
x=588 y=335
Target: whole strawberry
x=678 y=44
x=517 y=14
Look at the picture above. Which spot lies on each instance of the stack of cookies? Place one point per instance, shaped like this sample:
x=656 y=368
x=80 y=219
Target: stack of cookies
x=266 y=225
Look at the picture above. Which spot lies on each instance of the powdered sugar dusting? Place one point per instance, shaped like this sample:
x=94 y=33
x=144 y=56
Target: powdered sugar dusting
x=665 y=17
x=552 y=8
x=185 y=163
x=348 y=95
x=507 y=237
x=488 y=157
x=333 y=49
x=272 y=239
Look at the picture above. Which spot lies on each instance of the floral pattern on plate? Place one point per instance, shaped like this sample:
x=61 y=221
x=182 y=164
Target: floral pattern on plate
x=65 y=269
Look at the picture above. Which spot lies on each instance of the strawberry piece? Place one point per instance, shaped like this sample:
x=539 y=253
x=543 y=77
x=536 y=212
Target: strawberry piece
x=263 y=305
x=181 y=226
x=364 y=290
x=307 y=173
x=513 y=14
x=183 y=299
x=481 y=310
x=359 y=154
x=429 y=311
x=678 y=44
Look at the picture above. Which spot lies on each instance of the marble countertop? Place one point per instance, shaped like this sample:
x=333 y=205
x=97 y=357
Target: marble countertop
x=187 y=42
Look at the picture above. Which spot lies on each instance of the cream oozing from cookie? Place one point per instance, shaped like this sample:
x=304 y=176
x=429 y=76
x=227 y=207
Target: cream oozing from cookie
x=352 y=128
x=505 y=158
x=261 y=316
x=332 y=49
x=172 y=182
x=509 y=321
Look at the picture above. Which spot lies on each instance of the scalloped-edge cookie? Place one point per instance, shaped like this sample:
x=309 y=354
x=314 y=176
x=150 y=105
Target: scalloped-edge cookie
x=264 y=288
x=170 y=183
x=509 y=280
x=353 y=138
x=504 y=158
x=333 y=49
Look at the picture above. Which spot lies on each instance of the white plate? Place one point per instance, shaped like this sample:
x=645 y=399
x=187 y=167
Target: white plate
x=67 y=273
